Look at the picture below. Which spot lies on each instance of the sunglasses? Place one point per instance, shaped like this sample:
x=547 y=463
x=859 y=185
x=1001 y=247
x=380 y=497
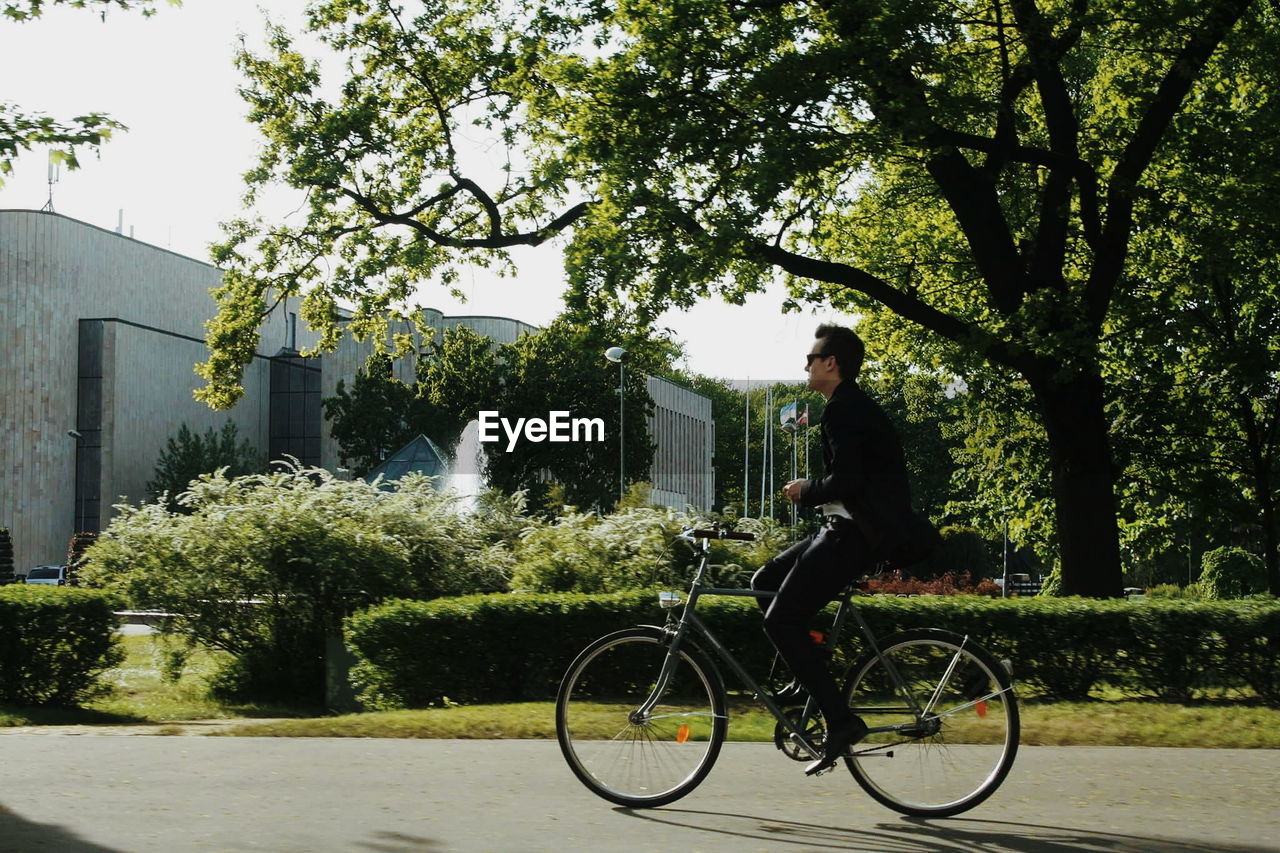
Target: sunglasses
x=809 y=358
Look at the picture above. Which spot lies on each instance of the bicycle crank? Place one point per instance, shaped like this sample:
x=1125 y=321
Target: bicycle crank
x=815 y=731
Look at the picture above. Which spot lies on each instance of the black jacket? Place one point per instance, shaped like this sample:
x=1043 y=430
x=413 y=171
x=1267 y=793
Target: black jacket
x=865 y=467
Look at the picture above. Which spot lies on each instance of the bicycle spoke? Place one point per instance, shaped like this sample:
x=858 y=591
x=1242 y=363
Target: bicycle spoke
x=687 y=714
x=942 y=685
x=973 y=703
x=645 y=762
x=951 y=758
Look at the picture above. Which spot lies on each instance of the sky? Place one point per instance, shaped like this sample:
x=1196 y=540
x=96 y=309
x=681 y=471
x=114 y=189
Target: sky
x=175 y=174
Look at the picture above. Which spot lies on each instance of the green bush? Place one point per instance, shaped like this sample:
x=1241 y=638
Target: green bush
x=1231 y=572
x=263 y=566
x=516 y=647
x=1173 y=648
x=57 y=643
x=633 y=548
x=509 y=647
x=1065 y=646
x=1249 y=638
x=1173 y=592
x=188 y=455
x=1051 y=585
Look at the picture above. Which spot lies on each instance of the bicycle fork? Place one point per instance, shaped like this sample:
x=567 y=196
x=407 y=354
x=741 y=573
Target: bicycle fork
x=670 y=660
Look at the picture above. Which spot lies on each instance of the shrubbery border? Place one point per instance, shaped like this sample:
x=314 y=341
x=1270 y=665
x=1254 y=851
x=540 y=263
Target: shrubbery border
x=514 y=647
x=55 y=643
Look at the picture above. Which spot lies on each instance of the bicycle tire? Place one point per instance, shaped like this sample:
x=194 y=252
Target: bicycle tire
x=640 y=763
x=956 y=756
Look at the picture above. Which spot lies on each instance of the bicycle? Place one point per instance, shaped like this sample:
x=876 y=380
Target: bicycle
x=641 y=713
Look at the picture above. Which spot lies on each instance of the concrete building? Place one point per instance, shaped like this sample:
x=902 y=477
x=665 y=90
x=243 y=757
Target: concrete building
x=101 y=333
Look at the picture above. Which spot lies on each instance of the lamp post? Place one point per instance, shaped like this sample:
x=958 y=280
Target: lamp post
x=1004 y=587
x=618 y=355
x=79 y=437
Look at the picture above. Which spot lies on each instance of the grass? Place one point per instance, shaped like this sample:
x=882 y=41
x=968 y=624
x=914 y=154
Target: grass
x=142 y=696
x=1150 y=723
x=515 y=720
x=1126 y=723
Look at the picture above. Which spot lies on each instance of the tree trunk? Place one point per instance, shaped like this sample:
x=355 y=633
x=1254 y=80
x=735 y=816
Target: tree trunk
x=1083 y=482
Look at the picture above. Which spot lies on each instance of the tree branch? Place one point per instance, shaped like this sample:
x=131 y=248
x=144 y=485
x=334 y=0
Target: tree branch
x=1138 y=153
x=1045 y=54
x=495 y=240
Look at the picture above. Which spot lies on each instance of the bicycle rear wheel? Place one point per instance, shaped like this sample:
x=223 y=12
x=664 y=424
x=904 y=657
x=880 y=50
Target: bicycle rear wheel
x=958 y=718
x=632 y=759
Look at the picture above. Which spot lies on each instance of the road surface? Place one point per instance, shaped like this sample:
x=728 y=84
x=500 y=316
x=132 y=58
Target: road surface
x=104 y=794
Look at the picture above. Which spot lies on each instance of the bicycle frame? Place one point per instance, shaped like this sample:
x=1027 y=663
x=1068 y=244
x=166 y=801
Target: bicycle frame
x=690 y=619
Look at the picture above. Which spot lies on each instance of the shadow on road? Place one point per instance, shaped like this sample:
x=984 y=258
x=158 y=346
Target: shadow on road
x=913 y=835
x=398 y=842
x=19 y=835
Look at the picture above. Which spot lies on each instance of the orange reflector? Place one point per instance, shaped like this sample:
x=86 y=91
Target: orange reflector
x=982 y=708
x=682 y=734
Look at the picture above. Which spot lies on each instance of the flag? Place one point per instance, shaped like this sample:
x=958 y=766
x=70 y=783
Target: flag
x=787 y=415
x=803 y=420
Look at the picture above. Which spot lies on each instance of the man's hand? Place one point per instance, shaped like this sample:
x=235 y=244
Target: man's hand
x=792 y=490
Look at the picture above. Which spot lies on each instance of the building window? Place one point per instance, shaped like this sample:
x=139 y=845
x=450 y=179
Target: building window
x=295 y=409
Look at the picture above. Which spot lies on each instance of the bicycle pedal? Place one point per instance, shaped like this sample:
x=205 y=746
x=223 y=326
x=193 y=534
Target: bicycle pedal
x=800 y=747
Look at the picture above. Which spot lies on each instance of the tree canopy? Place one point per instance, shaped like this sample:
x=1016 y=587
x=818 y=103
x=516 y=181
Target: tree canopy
x=970 y=175
x=188 y=455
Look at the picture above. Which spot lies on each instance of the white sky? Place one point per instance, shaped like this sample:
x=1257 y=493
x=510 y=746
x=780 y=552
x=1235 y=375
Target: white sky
x=176 y=172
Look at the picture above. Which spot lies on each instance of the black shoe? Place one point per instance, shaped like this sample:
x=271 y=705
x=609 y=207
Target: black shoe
x=791 y=694
x=837 y=745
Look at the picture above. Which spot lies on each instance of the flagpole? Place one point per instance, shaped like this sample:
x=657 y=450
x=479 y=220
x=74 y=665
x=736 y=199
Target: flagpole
x=773 y=467
x=807 y=428
x=764 y=452
x=772 y=473
x=795 y=437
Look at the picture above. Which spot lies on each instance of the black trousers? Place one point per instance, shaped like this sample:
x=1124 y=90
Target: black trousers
x=807 y=576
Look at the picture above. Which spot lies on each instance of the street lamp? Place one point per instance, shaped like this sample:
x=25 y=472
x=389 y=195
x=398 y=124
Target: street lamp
x=619 y=356
x=1004 y=587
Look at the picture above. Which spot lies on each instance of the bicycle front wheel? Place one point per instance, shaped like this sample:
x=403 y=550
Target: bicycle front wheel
x=954 y=722
x=626 y=755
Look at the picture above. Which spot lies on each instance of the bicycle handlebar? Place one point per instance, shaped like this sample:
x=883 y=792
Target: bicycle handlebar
x=722 y=534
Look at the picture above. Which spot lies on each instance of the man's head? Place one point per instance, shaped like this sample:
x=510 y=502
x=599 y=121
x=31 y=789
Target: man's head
x=836 y=355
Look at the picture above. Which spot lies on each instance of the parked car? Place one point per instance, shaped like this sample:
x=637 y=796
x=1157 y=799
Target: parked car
x=48 y=575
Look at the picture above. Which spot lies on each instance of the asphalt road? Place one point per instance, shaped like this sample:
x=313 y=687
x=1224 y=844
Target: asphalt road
x=103 y=794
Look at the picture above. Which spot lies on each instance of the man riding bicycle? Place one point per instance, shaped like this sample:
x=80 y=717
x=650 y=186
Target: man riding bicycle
x=866 y=506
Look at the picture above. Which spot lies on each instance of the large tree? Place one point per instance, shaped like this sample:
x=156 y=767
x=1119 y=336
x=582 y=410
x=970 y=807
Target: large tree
x=373 y=418
x=562 y=367
x=457 y=375
x=1204 y=432
x=974 y=168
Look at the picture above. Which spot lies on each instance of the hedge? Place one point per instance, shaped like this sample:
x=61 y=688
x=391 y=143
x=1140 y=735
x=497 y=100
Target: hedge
x=55 y=643
x=493 y=648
